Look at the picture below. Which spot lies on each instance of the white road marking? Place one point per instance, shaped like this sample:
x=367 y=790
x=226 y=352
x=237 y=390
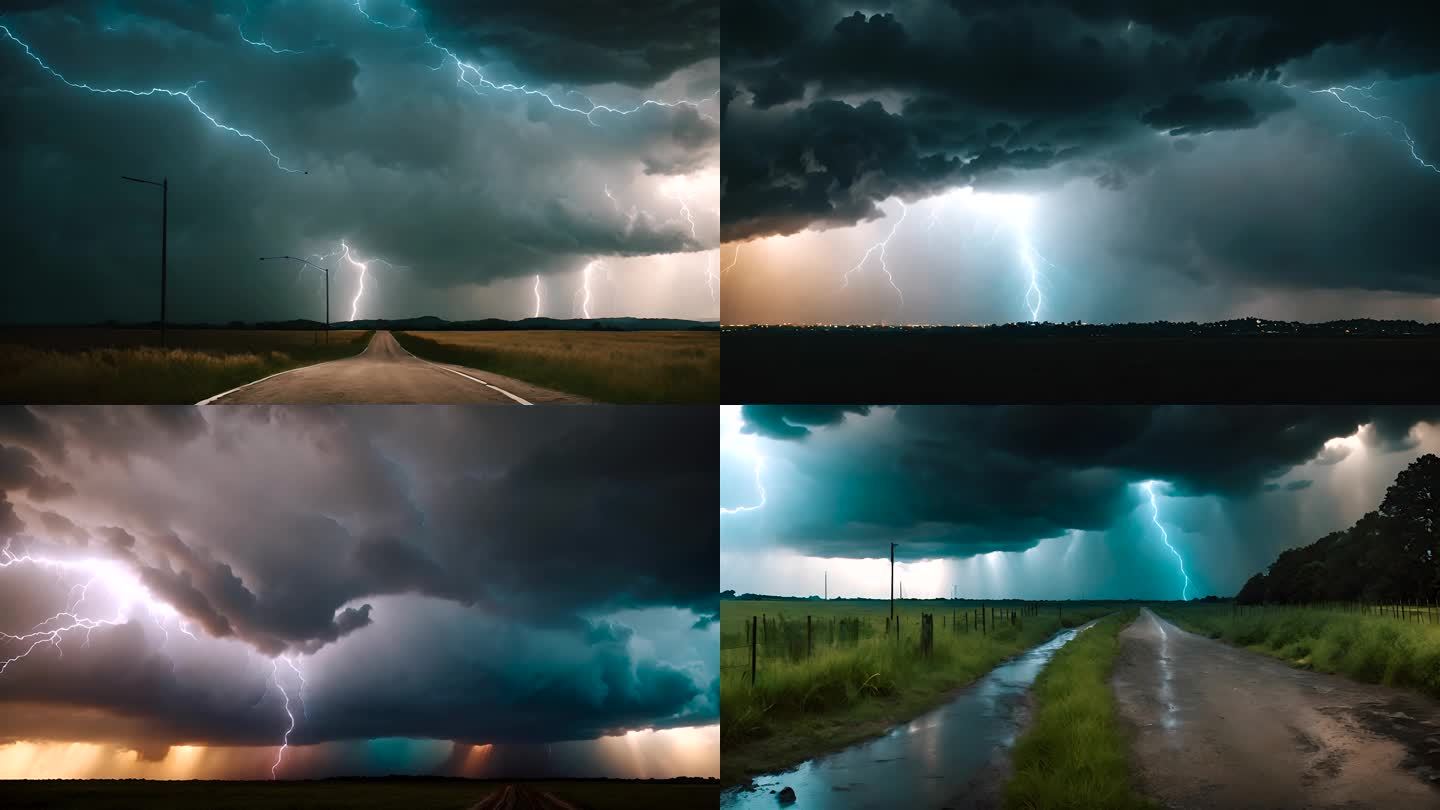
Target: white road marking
x=211 y=400
x=463 y=374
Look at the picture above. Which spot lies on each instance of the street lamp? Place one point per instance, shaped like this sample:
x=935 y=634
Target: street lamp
x=327 y=286
x=164 y=185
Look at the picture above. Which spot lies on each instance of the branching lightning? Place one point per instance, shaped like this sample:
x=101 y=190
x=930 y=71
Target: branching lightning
x=259 y=43
x=1165 y=537
x=363 y=266
x=130 y=596
x=472 y=77
x=154 y=91
x=1404 y=136
x=881 y=246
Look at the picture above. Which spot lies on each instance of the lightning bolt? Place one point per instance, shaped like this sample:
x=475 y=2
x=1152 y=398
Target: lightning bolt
x=711 y=277
x=154 y=91
x=759 y=462
x=130 y=595
x=259 y=43
x=733 y=260
x=360 y=7
x=1032 y=260
x=472 y=77
x=585 y=288
x=345 y=252
x=1165 y=537
x=881 y=246
x=1404 y=135
x=537 y=295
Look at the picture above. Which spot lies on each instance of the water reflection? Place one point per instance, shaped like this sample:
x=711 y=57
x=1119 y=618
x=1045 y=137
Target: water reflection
x=928 y=762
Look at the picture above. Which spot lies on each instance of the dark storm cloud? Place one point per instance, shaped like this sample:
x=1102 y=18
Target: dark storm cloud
x=637 y=43
x=795 y=421
x=460 y=187
x=956 y=481
x=470 y=549
x=1025 y=96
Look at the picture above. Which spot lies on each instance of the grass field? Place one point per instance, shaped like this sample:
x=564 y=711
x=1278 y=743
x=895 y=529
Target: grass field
x=1367 y=647
x=1074 y=754
x=368 y=794
x=667 y=367
x=126 y=366
x=803 y=704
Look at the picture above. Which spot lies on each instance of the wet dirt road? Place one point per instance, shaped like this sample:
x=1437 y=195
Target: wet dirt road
x=386 y=373
x=952 y=757
x=1217 y=726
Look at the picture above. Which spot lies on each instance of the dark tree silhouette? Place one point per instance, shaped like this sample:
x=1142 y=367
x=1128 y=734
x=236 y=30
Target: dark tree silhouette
x=1390 y=554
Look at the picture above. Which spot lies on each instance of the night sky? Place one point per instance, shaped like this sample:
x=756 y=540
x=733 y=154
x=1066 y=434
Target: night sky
x=1152 y=160
x=464 y=591
x=1044 y=502
x=422 y=145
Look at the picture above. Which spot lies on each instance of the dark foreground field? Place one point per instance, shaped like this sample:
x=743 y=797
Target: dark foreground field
x=1049 y=364
x=353 y=794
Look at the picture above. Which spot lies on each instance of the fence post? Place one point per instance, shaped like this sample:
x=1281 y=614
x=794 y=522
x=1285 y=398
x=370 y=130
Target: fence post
x=754 y=639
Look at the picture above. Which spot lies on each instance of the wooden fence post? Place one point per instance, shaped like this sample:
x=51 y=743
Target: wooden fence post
x=754 y=637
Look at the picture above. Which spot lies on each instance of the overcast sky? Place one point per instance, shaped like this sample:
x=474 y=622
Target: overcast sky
x=422 y=146
x=1044 y=502
x=464 y=591
x=1153 y=160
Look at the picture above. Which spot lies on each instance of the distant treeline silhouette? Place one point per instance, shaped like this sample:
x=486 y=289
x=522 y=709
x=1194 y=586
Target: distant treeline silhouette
x=1389 y=555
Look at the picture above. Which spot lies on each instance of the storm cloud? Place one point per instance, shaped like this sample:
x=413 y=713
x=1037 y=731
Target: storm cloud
x=959 y=482
x=1186 y=162
x=461 y=574
x=449 y=139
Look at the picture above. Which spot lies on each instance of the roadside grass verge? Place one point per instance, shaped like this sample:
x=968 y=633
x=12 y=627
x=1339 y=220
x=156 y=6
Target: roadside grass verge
x=1367 y=648
x=800 y=709
x=668 y=367
x=125 y=375
x=1074 y=755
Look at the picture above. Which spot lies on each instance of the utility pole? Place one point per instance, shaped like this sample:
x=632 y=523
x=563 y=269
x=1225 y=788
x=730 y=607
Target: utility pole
x=164 y=185
x=324 y=270
x=892 y=582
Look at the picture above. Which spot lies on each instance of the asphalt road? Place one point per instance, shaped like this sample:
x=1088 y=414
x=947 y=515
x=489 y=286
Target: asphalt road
x=521 y=797
x=386 y=373
x=1217 y=726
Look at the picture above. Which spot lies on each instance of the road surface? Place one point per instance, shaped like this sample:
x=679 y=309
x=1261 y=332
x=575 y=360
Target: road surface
x=521 y=797
x=1218 y=726
x=386 y=373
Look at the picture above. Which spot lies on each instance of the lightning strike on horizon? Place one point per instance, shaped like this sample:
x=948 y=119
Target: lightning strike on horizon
x=1165 y=537
x=344 y=252
x=1404 y=137
x=881 y=246
x=585 y=288
x=185 y=94
x=537 y=295
x=285 y=740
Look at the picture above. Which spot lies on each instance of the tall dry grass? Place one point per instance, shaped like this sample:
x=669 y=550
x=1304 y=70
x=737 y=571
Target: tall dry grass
x=147 y=374
x=667 y=367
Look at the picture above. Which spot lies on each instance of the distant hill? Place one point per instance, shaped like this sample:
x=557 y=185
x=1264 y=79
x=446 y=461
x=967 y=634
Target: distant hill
x=1235 y=327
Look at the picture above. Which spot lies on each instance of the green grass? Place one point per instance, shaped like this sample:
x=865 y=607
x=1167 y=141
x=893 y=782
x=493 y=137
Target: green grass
x=668 y=367
x=1074 y=755
x=1366 y=647
x=800 y=707
x=373 y=794
x=115 y=366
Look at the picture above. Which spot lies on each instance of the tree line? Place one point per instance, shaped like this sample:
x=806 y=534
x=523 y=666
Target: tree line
x=1390 y=555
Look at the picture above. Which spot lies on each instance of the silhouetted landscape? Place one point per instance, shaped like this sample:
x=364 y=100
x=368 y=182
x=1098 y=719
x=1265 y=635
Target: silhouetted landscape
x=1242 y=360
